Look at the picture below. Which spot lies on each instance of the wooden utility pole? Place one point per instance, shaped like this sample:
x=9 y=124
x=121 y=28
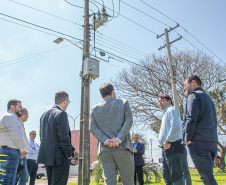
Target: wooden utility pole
x=172 y=74
x=84 y=138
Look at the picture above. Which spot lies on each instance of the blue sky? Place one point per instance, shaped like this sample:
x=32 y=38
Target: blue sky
x=35 y=80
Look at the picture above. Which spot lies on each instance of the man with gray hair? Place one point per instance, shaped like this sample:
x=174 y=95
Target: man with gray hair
x=110 y=123
x=32 y=165
x=22 y=178
x=12 y=145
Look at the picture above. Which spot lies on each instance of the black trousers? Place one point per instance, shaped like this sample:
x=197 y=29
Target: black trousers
x=139 y=173
x=58 y=175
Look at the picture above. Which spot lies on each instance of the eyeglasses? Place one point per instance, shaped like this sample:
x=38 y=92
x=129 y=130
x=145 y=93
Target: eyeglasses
x=68 y=101
x=34 y=134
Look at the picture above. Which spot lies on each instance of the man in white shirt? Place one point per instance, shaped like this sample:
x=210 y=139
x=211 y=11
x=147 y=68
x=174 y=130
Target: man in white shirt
x=11 y=142
x=32 y=156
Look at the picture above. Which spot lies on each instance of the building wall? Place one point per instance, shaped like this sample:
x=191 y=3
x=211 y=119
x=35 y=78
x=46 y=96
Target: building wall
x=93 y=144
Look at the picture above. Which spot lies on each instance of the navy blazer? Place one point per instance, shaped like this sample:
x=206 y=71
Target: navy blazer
x=200 y=117
x=138 y=159
x=55 y=137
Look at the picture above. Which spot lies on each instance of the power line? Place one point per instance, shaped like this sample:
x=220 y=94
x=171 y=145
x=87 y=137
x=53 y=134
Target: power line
x=118 y=48
x=130 y=20
x=118 y=51
x=39 y=26
x=128 y=61
x=77 y=6
x=145 y=14
x=123 y=44
x=45 y=12
x=184 y=30
x=28 y=27
x=35 y=55
x=30 y=57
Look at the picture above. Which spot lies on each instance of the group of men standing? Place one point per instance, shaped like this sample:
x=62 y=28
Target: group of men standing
x=18 y=154
x=199 y=134
x=16 y=150
x=110 y=122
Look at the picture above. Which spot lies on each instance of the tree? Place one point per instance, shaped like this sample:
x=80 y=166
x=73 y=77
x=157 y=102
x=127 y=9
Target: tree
x=219 y=97
x=142 y=84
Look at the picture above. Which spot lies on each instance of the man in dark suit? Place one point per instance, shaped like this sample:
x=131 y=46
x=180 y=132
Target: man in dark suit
x=138 y=149
x=56 y=150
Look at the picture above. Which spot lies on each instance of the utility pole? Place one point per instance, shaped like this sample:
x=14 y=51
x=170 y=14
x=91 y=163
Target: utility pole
x=84 y=135
x=172 y=72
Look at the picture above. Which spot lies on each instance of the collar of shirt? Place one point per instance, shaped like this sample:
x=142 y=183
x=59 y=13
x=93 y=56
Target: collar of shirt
x=31 y=140
x=59 y=107
x=166 y=108
x=12 y=113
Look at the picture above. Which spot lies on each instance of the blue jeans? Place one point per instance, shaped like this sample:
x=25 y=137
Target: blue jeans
x=10 y=166
x=202 y=154
x=23 y=176
x=32 y=168
x=187 y=176
x=172 y=164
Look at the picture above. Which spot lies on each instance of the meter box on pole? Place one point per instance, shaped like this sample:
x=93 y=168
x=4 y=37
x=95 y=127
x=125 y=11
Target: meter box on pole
x=91 y=68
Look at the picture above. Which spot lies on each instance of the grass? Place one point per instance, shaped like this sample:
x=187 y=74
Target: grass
x=219 y=175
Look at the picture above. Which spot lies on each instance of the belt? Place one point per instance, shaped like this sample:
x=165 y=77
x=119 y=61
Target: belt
x=32 y=160
x=179 y=140
x=4 y=147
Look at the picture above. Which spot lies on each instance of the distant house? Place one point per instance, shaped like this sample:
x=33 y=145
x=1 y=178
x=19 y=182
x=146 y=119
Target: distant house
x=93 y=144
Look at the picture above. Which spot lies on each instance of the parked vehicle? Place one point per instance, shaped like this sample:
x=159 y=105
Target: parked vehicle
x=73 y=170
x=42 y=170
x=93 y=165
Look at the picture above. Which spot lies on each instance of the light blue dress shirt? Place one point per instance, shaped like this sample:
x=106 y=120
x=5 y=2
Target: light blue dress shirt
x=171 y=127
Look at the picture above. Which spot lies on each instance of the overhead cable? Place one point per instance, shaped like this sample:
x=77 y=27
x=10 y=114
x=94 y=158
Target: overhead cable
x=45 y=12
x=184 y=30
x=39 y=26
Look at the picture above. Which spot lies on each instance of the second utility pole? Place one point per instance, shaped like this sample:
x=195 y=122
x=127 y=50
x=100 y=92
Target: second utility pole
x=172 y=76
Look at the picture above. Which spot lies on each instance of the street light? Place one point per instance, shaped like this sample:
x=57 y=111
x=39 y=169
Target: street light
x=151 y=150
x=74 y=127
x=59 y=40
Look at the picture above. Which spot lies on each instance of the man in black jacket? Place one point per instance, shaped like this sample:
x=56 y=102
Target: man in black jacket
x=138 y=149
x=55 y=149
x=200 y=128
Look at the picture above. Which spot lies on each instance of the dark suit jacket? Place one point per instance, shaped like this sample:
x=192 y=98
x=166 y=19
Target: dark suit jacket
x=138 y=159
x=55 y=137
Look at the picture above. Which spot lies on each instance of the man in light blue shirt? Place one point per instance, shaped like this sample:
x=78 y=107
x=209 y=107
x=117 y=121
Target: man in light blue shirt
x=170 y=140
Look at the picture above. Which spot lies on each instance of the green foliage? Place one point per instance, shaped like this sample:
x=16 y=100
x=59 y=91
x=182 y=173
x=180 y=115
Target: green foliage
x=149 y=172
x=219 y=175
x=97 y=172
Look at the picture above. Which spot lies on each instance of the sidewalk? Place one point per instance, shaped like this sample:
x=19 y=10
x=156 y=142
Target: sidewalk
x=44 y=181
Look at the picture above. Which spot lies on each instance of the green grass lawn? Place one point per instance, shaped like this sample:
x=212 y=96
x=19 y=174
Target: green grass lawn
x=218 y=174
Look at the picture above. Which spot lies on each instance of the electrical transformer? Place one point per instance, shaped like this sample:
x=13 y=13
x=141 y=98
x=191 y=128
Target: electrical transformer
x=91 y=68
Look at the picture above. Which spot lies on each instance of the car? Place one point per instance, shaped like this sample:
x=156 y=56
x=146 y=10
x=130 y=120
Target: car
x=73 y=170
x=41 y=171
x=93 y=165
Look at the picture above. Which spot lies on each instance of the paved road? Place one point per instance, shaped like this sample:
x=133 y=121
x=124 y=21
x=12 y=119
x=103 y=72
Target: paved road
x=44 y=182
